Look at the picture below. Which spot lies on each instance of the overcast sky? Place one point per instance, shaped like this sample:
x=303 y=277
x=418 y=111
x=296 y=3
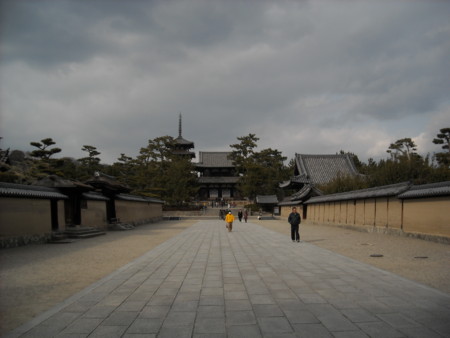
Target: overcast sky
x=308 y=77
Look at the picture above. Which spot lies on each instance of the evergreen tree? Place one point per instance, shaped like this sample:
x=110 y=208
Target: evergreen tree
x=44 y=165
x=261 y=172
x=443 y=137
x=180 y=181
x=90 y=163
x=402 y=148
x=243 y=152
x=43 y=152
x=158 y=172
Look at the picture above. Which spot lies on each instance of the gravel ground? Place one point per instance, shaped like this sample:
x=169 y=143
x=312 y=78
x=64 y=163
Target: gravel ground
x=35 y=278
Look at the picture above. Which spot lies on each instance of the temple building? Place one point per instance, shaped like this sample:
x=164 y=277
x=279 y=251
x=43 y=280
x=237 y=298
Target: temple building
x=217 y=176
x=183 y=147
x=312 y=171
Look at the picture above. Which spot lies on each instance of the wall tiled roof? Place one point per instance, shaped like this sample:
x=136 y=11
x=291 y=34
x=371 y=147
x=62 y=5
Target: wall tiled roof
x=288 y=202
x=427 y=190
x=136 y=198
x=321 y=169
x=29 y=191
x=214 y=159
x=266 y=199
x=383 y=191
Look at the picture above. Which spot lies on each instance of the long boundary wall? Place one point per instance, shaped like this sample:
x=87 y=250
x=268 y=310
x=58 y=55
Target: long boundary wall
x=138 y=212
x=426 y=217
x=24 y=221
x=29 y=220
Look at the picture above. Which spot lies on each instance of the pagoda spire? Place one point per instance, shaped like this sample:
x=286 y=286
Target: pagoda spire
x=182 y=146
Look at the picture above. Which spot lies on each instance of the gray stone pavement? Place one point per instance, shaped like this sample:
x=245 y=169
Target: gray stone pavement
x=252 y=282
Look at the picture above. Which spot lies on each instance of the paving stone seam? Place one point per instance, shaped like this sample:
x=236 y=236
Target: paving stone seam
x=228 y=236
x=259 y=253
x=358 y=263
x=158 y=251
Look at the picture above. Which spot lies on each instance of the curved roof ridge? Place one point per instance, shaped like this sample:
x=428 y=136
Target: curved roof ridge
x=352 y=164
x=300 y=162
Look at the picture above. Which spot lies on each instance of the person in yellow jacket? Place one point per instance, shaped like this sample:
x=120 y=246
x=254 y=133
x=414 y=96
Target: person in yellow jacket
x=229 y=219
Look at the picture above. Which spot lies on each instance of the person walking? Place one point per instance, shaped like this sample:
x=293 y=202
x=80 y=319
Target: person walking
x=245 y=215
x=240 y=215
x=294 y=219
x=229 y=219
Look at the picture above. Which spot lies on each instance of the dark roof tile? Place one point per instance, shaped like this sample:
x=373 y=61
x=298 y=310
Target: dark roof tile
x=266 y=199
x=29 y=191
x=218 y=179
x=383 y=191
x=321 y=169
x=216 y=159
x=180 y=140
x=136 y=198
x=306 y=191
x=96 y=196
x=427 y=190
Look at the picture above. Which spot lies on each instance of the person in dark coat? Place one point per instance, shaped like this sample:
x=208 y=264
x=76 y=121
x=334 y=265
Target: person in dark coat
x=240 y=215
x=294 y=220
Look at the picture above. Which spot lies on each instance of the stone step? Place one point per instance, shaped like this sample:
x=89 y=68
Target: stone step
x=83 y=232
x=59 y=238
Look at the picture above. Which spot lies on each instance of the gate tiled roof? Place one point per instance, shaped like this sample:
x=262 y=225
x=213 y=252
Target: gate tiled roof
x=218 y=179
x=266 y=199
x=215 y=159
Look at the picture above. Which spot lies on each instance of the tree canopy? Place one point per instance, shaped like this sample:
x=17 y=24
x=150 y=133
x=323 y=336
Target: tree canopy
x=157 y=171
x=43 y=152
x=404 y=165
x=443 y=137
x=261 y=172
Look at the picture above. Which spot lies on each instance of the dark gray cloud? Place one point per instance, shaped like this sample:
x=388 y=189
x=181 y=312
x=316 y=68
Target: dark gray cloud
x=305 y=76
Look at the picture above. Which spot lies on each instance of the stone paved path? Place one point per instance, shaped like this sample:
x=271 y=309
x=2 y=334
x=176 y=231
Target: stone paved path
x=253 y=282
